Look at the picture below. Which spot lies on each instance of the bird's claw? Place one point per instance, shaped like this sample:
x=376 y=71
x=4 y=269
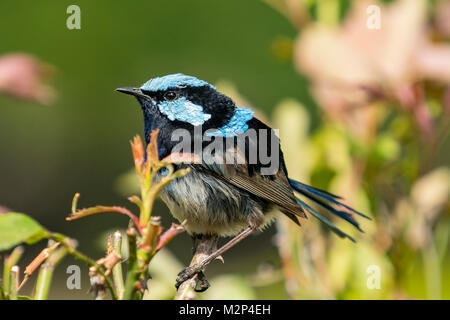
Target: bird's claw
x=187 y=274
x=201 y=282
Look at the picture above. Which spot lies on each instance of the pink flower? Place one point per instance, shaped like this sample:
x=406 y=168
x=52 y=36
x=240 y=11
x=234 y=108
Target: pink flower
x=4 y=210
x=353 y=65
x=21 y=76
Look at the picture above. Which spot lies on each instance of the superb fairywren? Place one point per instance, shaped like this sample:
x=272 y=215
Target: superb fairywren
x=220 y=197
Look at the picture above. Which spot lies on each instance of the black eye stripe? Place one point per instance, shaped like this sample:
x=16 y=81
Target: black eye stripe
x=170 y=95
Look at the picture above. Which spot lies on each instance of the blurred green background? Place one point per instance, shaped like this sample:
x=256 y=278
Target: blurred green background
x=250 y=49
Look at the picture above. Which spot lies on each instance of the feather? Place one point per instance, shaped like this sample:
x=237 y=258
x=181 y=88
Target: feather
x=342 y=214
x=275 y=190
x=309 y=192
x=320 y=197
x=327 y=222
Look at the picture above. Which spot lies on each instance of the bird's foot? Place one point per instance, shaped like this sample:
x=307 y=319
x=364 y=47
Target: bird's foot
x=202 y=284
x=188 y=273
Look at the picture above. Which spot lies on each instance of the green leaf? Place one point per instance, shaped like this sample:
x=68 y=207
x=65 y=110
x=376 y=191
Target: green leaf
x=16 y=228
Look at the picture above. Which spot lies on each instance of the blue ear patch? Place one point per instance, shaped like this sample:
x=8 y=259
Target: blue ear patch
x=236 y=126
x=173 y=81
x=183 y=110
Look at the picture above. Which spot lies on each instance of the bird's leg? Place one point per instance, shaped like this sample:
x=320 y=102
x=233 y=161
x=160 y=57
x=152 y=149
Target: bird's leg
x=201 y=283
x=204 y=246
x=196 y=268
x=196 y=238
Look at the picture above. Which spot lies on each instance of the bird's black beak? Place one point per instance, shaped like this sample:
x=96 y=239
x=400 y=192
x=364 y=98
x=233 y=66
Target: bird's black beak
x=137 y=92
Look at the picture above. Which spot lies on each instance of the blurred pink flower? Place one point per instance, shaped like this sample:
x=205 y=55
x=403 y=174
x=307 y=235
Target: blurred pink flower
x=4 y=210
x=22 y=75
x=443 y=17
x=353 y=65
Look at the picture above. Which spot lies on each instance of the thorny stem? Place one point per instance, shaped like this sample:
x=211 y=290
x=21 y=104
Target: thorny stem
x=117 y=270
x=132 y=273
x=169 y=235
x=143 y=248
x=72 y=251
x=149 y=191
x=148 y=242
x=100 y=209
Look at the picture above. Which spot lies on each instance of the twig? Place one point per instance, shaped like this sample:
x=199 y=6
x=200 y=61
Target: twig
x=40 y=258
x=43 y=282
x=205 y=247
x=151 y=233
x=81 y=213
x=169 y=235
x=13 y=282
x=46 y=273
x=132 y=272
x=117 y=270
x=72 y=251
x=10 y=261
x=97 y=283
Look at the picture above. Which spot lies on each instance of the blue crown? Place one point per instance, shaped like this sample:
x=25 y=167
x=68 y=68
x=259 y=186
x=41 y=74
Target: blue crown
x=173 y=81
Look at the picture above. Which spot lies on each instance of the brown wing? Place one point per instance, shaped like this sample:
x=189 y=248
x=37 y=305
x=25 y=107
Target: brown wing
x=275 y=189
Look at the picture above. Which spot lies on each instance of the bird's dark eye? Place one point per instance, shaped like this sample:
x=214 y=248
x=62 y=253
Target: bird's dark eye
x=170 y=95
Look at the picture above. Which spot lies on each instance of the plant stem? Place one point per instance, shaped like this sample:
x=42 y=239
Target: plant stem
x=328 y=12
x=132 y=272
x=45 y=275
x=151 y=233
x=13 y=282
x=432 y=272
x=43 y=282
x=72 y=251
x=10 y=261
x=117 y=270
x=2 y=293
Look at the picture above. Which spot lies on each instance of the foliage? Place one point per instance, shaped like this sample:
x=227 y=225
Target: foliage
x=381 y=142
x=144 y=234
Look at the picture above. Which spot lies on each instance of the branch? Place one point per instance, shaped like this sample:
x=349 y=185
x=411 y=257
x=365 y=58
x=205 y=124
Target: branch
x=72 y=251
x=168 y=235
x=76 y=214
x=10 y=261
x=13 y=282
x=100 y=209
x=117 y=270
x=132 y=272
x=205 y=247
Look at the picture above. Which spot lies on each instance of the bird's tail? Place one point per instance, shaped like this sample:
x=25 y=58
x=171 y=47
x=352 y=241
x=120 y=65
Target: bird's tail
x=327 y=201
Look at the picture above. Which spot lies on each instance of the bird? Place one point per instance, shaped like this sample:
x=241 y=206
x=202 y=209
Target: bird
x=220 y=198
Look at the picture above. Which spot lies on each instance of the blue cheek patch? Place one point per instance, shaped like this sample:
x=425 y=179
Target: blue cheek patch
x=236 y=126
x=184 y=110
